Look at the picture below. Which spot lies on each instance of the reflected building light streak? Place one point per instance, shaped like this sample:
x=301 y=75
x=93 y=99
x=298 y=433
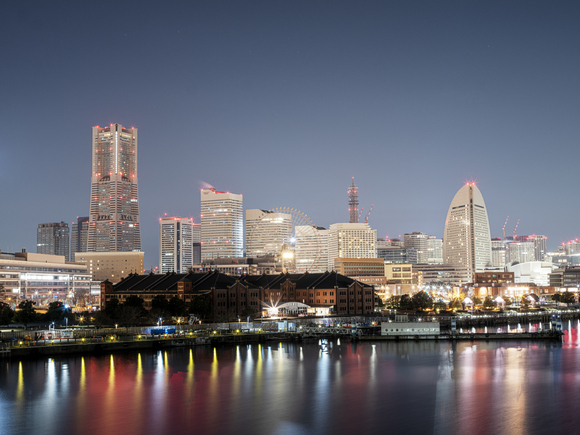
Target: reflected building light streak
x=50 y=398
x=20 y=386
x=321 y=388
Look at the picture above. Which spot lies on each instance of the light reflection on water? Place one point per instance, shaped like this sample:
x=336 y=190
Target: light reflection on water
x=515 y=387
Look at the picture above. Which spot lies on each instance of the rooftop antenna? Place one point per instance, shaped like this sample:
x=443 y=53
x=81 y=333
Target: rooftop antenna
x=506 y=220
x=353 y=202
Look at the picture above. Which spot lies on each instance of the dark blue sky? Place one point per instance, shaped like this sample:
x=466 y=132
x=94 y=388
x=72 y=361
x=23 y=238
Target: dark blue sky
x=284 y=101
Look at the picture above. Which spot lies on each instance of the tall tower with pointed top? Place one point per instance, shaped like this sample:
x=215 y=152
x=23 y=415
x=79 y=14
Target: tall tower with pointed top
x=467 y=240
x=353 y=202
x=114 y=207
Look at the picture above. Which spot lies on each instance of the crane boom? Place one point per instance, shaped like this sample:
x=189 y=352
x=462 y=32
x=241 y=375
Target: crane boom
x=368 y=214
x=503 y=227
x=515 y=228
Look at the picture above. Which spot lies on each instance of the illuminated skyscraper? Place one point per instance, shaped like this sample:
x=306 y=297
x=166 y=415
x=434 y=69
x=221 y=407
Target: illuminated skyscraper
x=176 y=238
x=467 y=241
x=222 y=224
x=114 y=209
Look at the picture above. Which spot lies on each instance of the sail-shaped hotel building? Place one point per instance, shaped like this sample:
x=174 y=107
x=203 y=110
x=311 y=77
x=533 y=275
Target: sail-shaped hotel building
x=467 y=240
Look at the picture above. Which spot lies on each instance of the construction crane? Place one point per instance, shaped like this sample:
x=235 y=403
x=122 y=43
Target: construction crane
x=368 y=214
x=359 y=215
x=515 y=229
x=506 y=220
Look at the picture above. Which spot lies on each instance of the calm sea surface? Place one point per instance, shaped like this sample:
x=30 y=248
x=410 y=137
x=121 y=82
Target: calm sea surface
x=333 y=387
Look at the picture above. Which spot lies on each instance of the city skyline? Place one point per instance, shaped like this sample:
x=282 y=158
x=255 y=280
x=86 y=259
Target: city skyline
x=290 y=103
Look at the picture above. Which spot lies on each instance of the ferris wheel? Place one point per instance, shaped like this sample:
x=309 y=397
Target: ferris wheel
x=288 y=234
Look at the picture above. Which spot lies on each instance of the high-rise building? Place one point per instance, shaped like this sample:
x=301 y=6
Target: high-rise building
x=418 y=242
x=196 y=243
x=519 y=251
x=397 y=255
x=498 y=252
x=114 y=208
x=311 y=248
x=467 y=241
x=222 y=224
x=435 y=250
x=348 y=240
x=175 y=244
x=79 y=236
x=266 y=232
x=572 y=247
x=53 y=239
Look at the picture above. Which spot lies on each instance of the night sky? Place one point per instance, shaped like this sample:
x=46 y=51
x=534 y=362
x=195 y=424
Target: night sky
x=285 y=101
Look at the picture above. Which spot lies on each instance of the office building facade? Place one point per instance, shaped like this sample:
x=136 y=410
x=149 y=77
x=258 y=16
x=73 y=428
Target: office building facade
x=222 y=224
x=53 y=239
x=176 y=235
x=418 y=241
x=311 y=248
x=351 y=240
x=266 y=232
x=79 y=236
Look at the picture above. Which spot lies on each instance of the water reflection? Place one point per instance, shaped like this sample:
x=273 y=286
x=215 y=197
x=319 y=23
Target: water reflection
x=317 y=387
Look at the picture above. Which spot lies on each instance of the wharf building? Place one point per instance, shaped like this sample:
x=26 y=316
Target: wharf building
x=266 y=232
x=351 y=240
x=311 y=248
x=176 y=238
x=41 y=278
x=53 y=239
x=112 y=266
x=114 y=206
x=503 y=284
x=222 y=224
x=326 y=293
x=467 y=240
x=79 y=236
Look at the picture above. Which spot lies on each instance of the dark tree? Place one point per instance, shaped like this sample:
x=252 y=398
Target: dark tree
x=25 y=313
x=406 y=303
x=129 y=315
x=248 y=312
x=488 y=302
x=421 y=301
x=159 y=305
x=112 y=309
x=455 y=304
x=176 y=307
x=200 y=306
x=55 y=311
x=134 y=301
x=6 y=314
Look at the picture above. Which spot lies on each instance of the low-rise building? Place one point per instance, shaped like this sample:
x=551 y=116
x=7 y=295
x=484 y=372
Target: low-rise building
x=41 y=278
x=360 y=266
x=112 y=266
